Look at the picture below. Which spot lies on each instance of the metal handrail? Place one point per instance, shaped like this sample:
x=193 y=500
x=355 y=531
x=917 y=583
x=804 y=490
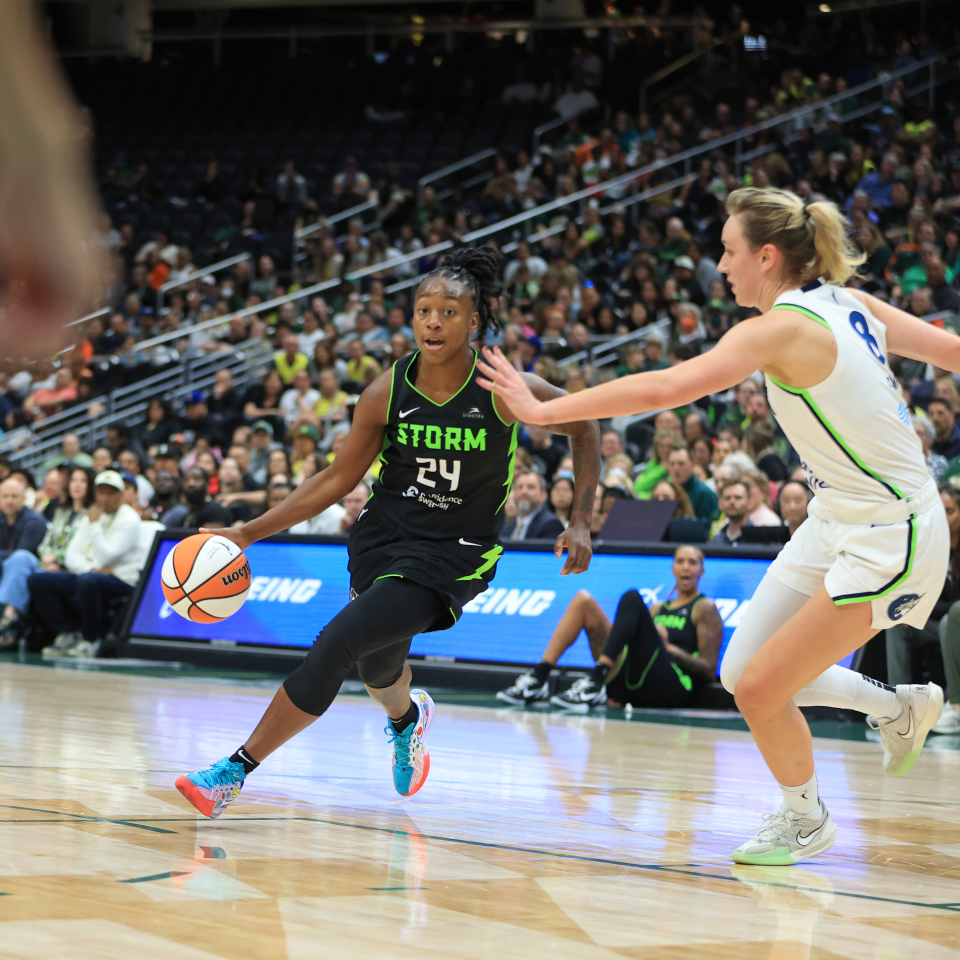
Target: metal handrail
x=90 y=316
x=597 y=356
x=371 y=29
x=197 y=274
x=296 y=295
x=132 y=401
x=687 y=155
x=336 y=218
x=453 y=168
x=677 y=64
x=594 y=189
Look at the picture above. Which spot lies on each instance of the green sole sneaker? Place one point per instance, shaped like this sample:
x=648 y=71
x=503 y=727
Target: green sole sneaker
x=787 y=838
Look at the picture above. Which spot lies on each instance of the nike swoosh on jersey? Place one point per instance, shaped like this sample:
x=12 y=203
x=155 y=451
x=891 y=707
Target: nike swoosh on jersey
x=467 y=543
x=406 y=413
x=361 y=513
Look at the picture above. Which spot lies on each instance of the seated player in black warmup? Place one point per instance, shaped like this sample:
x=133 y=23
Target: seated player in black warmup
x=647 y=658
x=426 y=543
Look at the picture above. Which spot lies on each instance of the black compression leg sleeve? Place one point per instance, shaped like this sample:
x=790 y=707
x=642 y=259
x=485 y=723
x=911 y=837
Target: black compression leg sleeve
x=375 y=631
x=632 y=626
x=648 y=676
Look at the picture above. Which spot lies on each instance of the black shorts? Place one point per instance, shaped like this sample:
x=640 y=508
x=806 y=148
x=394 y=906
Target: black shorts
x=458 y=570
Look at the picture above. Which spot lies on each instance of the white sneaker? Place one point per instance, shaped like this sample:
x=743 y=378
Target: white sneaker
x=903 y=738
x=583 y=695
x=62 y=644
x=788 y=837
x=84 y=649
x=949 y=722
x=525 y=690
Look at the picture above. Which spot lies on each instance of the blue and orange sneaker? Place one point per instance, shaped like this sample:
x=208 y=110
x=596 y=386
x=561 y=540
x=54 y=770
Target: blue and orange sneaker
x=411 y=761
x=212 y=789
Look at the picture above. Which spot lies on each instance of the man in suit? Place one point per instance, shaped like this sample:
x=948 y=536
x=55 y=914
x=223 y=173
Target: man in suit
x=534 y=521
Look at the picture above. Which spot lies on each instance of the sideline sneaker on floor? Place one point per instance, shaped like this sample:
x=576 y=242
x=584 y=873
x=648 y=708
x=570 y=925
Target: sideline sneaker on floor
x=903 y=738
x=949 y=722
x=62 y=644
x=583 y=695
x=788 y=837
x=212 y=789
x=526 y=690
x=84 y=649
x=411 y=760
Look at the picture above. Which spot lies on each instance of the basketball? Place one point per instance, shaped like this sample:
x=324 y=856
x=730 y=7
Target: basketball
x=205 y=578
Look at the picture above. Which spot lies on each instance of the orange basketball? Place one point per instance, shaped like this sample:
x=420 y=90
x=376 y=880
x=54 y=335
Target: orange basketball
x=205 y=578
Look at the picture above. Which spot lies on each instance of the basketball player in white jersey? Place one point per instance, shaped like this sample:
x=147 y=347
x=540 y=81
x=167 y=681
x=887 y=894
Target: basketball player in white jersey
x=874 y=549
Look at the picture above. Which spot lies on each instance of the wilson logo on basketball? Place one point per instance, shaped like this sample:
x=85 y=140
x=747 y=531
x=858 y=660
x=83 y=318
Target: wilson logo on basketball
x=243 y=572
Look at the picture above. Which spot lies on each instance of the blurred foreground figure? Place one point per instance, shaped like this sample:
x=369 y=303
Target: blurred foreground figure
x=50 y=262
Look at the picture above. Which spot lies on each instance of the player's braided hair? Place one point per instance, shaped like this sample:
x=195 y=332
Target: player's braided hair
x=479 y=269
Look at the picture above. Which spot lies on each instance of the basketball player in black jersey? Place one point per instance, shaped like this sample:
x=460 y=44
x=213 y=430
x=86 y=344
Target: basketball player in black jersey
x=647 y=658
x=426 y=543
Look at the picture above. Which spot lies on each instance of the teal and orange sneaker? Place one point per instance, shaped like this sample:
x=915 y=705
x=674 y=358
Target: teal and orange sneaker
x=411 y=761
x=212 y=789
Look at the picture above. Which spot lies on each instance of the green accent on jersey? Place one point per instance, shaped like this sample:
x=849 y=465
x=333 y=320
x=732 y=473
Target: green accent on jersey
x=443 y=465
x=669 y=620
x=454 y=397
x=685 y=681
x=804 y=311
x=438 y=438
x=491 y=557
x=818 y=413
x=512 y=453
x=386 y=439
x=646 y=669
x=386 y=576
x=493 y=399
x=904 y=575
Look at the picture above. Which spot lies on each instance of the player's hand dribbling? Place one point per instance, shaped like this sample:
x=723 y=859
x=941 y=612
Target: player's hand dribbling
x=576 y=540
x=233 y=534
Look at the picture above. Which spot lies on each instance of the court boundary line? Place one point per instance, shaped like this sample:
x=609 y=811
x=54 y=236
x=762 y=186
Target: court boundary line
x=701 y=874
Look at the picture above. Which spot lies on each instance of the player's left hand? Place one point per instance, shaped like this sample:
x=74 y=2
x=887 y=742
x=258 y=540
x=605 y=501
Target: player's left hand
x=501 y=378
x=576 y=540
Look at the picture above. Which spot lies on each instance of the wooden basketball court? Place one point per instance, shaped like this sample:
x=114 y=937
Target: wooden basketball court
x=537 y=835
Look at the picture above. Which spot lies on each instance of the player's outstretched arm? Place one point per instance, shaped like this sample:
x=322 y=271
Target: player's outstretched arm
x=744 y=349
x=323 y=489
x=912 y=337
x=585 y=446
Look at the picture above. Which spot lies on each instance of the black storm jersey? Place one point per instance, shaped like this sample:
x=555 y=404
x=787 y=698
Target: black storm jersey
x=446 y=467
x=681 y=630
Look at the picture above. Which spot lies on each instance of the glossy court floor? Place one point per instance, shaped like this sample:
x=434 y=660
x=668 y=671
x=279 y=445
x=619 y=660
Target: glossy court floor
x=537 y=835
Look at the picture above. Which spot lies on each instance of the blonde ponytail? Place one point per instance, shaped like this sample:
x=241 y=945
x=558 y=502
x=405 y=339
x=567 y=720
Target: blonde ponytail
x=812 y=237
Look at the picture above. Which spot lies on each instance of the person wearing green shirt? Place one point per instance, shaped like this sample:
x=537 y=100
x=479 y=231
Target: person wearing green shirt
x=664 y=443
x=736 y=413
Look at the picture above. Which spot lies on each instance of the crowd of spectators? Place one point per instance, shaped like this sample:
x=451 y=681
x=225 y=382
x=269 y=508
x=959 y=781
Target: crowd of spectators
x=579 y=274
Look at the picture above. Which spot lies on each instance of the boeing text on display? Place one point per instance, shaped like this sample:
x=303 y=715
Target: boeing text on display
x=300 y=583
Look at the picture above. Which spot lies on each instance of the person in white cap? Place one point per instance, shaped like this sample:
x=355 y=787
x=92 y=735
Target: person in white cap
x=102 y=563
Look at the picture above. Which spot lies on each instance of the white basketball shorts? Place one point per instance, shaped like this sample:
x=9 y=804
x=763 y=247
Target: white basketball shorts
x=899 y=567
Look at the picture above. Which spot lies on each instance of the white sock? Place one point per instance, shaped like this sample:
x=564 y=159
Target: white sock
x=802 y=799
x=844 y=689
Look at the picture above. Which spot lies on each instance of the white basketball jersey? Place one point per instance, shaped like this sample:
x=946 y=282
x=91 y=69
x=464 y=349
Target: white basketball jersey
x=852 y=430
